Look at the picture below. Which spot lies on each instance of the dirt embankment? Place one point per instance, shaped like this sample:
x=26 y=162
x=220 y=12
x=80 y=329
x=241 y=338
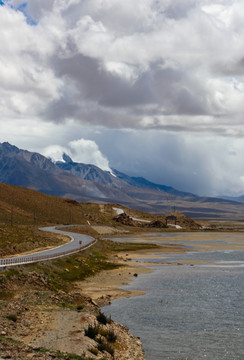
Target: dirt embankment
x=39 y=323
x=50 y=331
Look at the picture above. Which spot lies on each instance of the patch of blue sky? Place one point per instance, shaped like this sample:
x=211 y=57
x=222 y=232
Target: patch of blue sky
x=4 y=2
x=23 y=8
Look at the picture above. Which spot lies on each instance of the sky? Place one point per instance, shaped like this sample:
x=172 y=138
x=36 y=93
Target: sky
x=153 y=88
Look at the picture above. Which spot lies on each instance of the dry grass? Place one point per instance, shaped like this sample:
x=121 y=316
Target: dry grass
x=22 y=211
x=28 y=207
x=23 y=238
x=60 y=274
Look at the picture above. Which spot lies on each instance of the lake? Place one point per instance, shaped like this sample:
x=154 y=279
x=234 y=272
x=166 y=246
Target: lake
x=191 y=311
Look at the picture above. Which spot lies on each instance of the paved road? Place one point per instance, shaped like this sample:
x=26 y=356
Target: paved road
x=78 y=242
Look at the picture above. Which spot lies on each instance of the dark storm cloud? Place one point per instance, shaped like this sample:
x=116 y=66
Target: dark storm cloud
x=161 y=157
x=96 y=84
x=199 y=164
x=171 y=92
x=178 y=93
x=233 y=69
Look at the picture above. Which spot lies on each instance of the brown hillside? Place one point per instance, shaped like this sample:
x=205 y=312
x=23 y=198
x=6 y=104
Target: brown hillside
x=23 y=206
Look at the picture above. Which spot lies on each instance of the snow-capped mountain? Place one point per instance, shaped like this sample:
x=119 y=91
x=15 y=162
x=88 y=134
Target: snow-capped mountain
x=88 y=172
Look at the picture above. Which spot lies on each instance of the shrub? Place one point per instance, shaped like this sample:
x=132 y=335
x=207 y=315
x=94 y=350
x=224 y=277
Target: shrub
x=111 y=337
x=108 y=334
x=103 y=319
x=80 y=307
x=12 y=317
x=91 y=332
x=6 y=295
x=104 y=346
x=94 y=351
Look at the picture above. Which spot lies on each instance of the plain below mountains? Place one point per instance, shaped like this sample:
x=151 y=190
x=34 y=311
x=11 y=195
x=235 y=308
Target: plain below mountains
x=88 y=183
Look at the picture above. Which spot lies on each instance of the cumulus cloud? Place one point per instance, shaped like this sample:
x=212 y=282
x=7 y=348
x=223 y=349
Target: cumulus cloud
x=81 y=151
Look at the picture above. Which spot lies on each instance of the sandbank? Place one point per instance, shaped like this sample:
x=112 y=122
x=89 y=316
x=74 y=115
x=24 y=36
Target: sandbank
x=107 y=285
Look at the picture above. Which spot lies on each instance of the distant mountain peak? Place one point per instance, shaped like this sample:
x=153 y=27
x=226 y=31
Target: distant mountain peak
x=67 y=158
x=8 y=147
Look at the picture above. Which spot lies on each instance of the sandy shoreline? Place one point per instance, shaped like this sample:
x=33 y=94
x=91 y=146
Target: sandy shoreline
x=107 y=285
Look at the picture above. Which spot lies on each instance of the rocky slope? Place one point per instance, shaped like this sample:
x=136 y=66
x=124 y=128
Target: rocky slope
x=34 y=171
x=50 y=331
x=38 y=322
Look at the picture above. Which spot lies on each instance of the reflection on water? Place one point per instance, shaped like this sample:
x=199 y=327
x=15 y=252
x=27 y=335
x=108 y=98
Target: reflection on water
x=189 y=312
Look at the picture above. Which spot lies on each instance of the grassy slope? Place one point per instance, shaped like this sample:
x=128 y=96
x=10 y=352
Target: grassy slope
x=22 y=211
x=27 y=207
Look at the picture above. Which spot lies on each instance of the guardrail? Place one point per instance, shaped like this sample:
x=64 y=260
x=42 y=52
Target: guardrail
x=36 y=258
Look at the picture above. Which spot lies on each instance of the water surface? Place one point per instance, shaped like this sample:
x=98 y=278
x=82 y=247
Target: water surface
x=189 y=312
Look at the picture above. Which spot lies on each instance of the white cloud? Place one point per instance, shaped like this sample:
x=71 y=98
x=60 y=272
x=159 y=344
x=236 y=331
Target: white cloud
x=122 y=70
x=55 y=152
x=81 y=151
x=27 y=84
x=88 y=152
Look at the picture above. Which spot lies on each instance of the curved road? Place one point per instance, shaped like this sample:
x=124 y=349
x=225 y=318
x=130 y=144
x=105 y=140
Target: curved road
x=78 y=242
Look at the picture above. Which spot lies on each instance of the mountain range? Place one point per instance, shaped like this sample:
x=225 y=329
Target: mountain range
x=88 y=183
